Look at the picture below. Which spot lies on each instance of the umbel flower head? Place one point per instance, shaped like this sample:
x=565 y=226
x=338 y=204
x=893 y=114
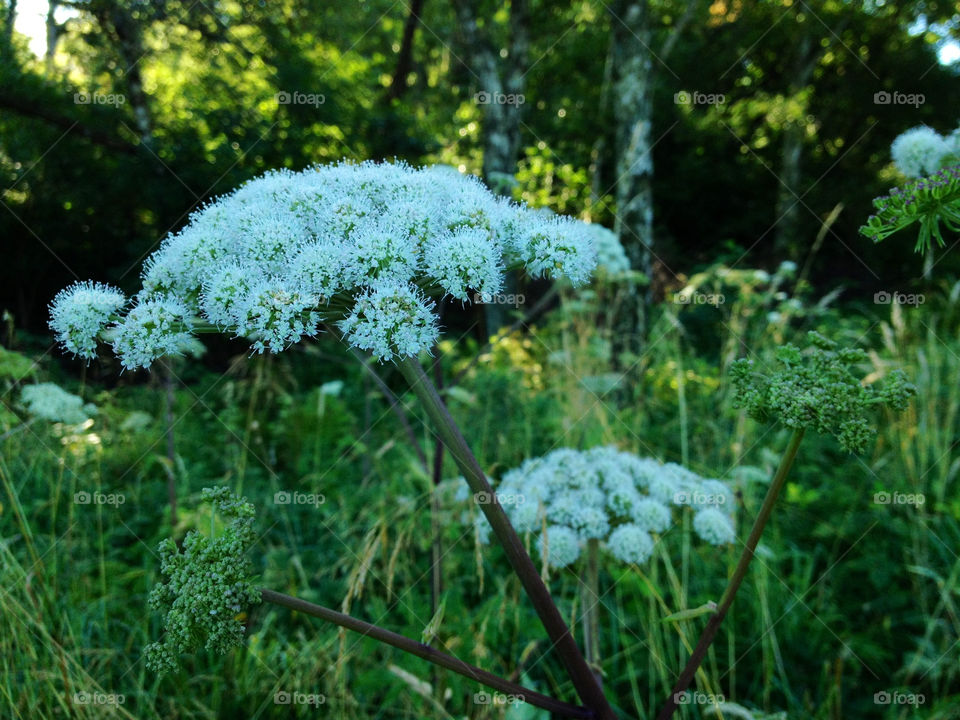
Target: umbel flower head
x=49 y=401
x=612 y=496
x=921 y=151
x=929 y=201
x=208 y=585
x=819 y=389
x=366 y=246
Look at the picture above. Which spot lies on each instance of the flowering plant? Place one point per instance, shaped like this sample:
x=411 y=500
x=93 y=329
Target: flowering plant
x=611 y=496
x=366 y=246
x=931 y=197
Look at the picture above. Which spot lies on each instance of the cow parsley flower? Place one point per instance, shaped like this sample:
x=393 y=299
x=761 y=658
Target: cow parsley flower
x=276 y=313
x=919 y=151
x=630 y=544
x=714 y=526
x=152 y=329
x=49 y=401
x=607 y=495
x=391 y=320
x=79 y=314
x=560 y=546
x=208 y=585
x=368 y=246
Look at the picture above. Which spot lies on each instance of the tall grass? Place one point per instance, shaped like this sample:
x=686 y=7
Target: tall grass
x=847 y=597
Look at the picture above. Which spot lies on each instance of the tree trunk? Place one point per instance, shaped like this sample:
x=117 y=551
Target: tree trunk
x=787 y=236
x=398 y=86
x=53 y=36
x=633 y=117
x=500 y=91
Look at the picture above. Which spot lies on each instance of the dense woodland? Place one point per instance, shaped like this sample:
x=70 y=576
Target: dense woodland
x=733 y=147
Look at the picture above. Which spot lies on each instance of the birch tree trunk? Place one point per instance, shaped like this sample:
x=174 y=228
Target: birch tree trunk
x=633 y=117
x=501 y=82
x=790 y=210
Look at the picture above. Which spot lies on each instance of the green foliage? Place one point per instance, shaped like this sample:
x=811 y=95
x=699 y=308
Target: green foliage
x=208 y=585
x=818 y=389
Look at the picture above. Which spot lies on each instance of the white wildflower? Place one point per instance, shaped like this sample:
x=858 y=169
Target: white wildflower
x=79 y=314
x=49 y=401
x=918 y=151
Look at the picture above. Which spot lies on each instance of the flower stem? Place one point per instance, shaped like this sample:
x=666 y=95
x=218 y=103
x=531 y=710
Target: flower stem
x=590 y=692
x=426 y=652
x=591 y=608
x=713 y=625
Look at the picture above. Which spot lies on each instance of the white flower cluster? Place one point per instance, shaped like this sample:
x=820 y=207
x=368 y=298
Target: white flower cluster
x=612 y=496
x=922 y=151
x=363 y=245
x=612 y=260
x=49 y=401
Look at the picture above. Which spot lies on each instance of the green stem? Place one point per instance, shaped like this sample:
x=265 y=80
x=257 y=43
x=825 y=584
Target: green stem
x=426 y=652
x=713 y=625
x=591 y=608
x=579 y=672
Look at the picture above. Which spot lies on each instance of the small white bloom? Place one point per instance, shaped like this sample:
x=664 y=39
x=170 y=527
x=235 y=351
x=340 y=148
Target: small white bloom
x=152 y=329
x=560 y=546
x=391 y=321
x=49 y=401
x=918 y=151
x=713 y=525
x=651 y=515
x=630 y=544
x=79 y=314
x=467 y=259
x=276 y=314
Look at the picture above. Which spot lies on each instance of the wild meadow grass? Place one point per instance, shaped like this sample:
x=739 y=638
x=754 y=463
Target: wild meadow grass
x=853 y=591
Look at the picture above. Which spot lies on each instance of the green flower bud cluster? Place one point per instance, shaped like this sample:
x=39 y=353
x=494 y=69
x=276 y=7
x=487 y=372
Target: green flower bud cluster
x=819 y=389
x=208 y=585
x=928 y=201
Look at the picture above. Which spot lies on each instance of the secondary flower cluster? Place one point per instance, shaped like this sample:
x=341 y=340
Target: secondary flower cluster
x=928 y=201
x=923 y=151
x=818 y=389
x=364 y=245
x=568 y=497
x=208 y=585
x=49 y=401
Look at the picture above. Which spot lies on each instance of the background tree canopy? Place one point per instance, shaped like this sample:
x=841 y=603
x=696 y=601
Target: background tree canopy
x=90 y=187
x=733 y=147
